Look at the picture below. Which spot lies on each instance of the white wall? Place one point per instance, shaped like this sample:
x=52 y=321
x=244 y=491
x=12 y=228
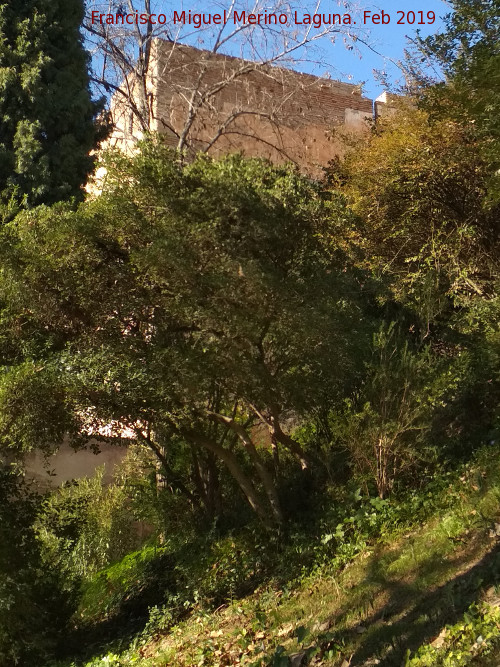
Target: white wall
x=69 y=464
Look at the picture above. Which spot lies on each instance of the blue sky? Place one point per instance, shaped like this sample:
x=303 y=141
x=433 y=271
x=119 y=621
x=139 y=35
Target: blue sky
x=386 y=42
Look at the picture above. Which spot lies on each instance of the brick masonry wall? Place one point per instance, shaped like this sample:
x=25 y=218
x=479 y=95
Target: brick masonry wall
x=265 y=111
x=259 y=111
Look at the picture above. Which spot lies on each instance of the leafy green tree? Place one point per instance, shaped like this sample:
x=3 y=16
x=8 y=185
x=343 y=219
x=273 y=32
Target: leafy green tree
x=468 y=52
x=386 y=425
x=189 y=304
x=47 y=116
x=34 y=608
x=428 y=226
x=419 y=186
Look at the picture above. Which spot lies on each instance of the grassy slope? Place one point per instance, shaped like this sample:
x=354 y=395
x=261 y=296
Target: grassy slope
x=395 y=596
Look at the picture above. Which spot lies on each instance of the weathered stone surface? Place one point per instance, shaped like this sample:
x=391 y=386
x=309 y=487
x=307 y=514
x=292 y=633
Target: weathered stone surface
x=265 y=111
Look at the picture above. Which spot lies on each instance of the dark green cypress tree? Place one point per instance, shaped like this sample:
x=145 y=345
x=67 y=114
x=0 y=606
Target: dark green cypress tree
x=48 y=120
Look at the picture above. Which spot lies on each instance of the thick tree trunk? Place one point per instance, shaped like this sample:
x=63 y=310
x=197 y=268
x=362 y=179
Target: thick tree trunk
x=264 y=474
x=234 y=468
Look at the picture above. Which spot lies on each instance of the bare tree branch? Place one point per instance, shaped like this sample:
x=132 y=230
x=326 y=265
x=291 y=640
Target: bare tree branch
x=162 y=80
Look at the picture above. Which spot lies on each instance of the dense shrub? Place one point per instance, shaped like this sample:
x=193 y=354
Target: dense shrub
x=85 y=525
x=35 y=601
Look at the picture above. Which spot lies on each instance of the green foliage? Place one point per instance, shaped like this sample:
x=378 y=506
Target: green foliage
x=47 y=116
x=463 y=643
x=163 y=582
x=326 y=353
x=420 y=186
x=202 y=575
x=34 y=608
x=468 y=51
x=107 y=590
x=85 y=525
x=28 y=393
x=386 y=427
x=195 y=309
x=148 y=500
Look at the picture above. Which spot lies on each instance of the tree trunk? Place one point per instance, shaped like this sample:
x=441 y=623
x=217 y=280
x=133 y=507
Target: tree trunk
x=206 y=480
x=276 y=457
x=213 y=485
x=170 y=475
x=264 y=474
x=234 y=468
x=287 y=441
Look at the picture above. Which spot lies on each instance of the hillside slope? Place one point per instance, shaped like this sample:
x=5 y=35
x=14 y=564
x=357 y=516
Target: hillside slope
x=432 y=586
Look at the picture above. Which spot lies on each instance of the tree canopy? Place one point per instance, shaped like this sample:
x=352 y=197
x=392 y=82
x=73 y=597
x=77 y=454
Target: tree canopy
x=420 y=186
x=48 y=118
x=182 y=308
x=468 y=52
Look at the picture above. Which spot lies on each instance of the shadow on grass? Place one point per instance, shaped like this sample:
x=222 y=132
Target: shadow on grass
x=168 y=581
x=410 y=617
